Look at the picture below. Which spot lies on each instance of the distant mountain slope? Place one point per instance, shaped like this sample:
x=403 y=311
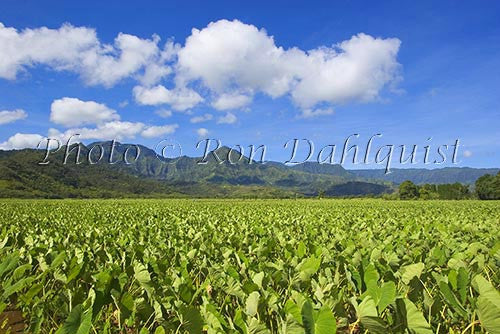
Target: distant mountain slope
x=327 y=169
x=356 y=188
x=464 y=175
x=22 y=176
x=187 y=170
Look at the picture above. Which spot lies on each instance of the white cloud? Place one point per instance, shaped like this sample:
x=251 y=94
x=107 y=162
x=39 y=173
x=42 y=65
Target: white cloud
x=202 y=132
x=229 y=118
x=353 y=70
x=21 y=140
x=9 y=116
x=70 y=111
x=106 y=131
x=54 y=47
x=309 y=113
x=467 y=153
x=153 y=73
x=231 y=101
x=228 y=60
x=79 y=50
x=158 y=131
x=113 y=130
x=103 y=67
x=164 y=113
x=123 y=104
x=178 y=98
x=251 y=60
x=202 y=118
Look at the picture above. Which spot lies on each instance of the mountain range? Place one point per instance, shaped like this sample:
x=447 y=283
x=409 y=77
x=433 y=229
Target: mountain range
x=21 y=175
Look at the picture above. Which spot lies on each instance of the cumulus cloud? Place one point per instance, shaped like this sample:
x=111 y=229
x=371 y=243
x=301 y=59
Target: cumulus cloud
x=158 y=131
x=79 y=50
x=70 y=111
x=54 y=47
x=101 y=67
x=229 y=118
x=178 y=98
x=227 y=62
x=21 y=140
x=9 y=116
x=228 y=54
x=202 y=132
x=231 y=101
x=107 y=131
x=113 y=130
x=355 y=70
x=202 y=118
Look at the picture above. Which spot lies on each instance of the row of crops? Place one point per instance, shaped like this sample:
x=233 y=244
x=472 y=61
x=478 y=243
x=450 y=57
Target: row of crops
x=233 y=266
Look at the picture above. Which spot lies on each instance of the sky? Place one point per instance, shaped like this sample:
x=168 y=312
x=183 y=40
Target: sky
x=419 y=73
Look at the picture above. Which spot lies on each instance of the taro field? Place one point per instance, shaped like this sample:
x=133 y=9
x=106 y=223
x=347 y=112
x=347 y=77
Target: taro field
x=249 y=266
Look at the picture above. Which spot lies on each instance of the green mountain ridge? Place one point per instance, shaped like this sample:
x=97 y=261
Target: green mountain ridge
x=21 y=175
x=465 y=175
x=187 y=170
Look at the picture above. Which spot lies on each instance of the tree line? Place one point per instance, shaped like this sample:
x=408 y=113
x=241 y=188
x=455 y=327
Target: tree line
x=487 y=187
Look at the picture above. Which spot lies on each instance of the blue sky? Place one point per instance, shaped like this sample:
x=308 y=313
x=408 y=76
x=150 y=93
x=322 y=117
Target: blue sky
x=409 y=71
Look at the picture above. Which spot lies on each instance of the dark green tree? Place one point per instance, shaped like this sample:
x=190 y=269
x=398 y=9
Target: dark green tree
x=428 y=191
x=453 y=191
x=408 y=190
x=488 y=187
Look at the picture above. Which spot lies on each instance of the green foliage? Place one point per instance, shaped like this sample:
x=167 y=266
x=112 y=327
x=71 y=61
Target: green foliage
x=488 y=187
x=448 y=191
x=408 y=190
x=242 y=266
x=79 y=321
x=488 y=304
x=413 y=318
x=411 y=271
x=444 y=191
x=318 y=322
x=428 y=191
